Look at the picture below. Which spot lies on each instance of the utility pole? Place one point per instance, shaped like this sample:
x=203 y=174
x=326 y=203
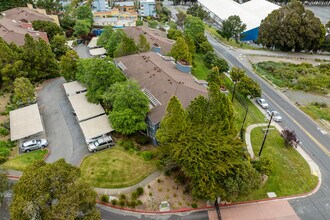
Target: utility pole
x=246 y=112
x=265 y=136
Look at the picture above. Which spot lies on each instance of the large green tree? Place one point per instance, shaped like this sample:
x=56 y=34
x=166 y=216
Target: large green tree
x=180 y=51
x=39 y=60
x=194 y=27
x=82 y=27
x=51 y=6
x=5 y=5
x=248 y=87
x=68 y=65
x=130 y=107
x=98 y=75
x=291 y=28
x=236 y=74
x=53 y=191
x=84 y=12
x=105 y=36
x=181 y=17
x=58 y=45
x=49 y=27
x=143 y=44
x=115 y=39
x=232 y=27
x=24 y=92
x=211 y=59
x=197 y=10
x=201 y=142
x=126 y=47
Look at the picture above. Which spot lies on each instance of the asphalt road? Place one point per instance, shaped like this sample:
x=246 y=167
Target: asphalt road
x=62 y=129
x=316 y=144
x=82 y=51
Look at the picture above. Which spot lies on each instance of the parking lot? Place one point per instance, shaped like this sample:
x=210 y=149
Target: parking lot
x=62 y=129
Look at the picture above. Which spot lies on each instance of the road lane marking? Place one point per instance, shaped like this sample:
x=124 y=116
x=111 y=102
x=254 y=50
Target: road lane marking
x=301 y=127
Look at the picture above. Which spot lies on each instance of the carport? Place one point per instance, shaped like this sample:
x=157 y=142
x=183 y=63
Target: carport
x=93 y=42
x=97 y=51
x=72 y=88
x=95 y=127
x=25 y=122
x=85 y=110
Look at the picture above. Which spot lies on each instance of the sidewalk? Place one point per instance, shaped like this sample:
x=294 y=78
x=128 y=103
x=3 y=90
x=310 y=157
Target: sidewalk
x=17 y=174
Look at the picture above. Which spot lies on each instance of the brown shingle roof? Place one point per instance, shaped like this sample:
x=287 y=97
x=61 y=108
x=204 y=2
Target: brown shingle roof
x=26 y=14
x=153 y=36
x=13 y=31
x=162 y=79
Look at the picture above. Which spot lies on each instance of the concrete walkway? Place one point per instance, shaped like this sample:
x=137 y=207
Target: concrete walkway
x=118 y=191
x=144 y=182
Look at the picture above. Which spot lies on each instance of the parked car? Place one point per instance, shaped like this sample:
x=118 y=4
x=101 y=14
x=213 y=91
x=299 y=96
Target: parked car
x=34 y=145
x=101 y=143
x=276 y=116
x=262 y=103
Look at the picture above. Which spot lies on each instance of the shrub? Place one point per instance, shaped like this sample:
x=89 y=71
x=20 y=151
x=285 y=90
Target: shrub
x=139 y=23
x=121 y=202
x=143 y=140
x=152 y=24
x=122 y=196
x=320 y=105
x=114 y=202
x=263 y=165
x=104 y=198
x=139 y=191
x=132 y=204
x=3 y=131
x=3 y=159
x=134 y=195
x=6 y=125
x=139 y=202
x=150 y=194
x=127 y=144
x=147 y=155
x=194 y=205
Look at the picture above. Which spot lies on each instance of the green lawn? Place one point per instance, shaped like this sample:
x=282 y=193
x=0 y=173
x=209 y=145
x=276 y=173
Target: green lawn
x=115 y=168
x=291 y=173
x=317 y=112
x=199 y=69
x=21 y=161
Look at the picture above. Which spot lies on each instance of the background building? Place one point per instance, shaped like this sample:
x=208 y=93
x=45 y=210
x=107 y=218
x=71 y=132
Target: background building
x=147 y=8
x=251 y=13
x=101 y=5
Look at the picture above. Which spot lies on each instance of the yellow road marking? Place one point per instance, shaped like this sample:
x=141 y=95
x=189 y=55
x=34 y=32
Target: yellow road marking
x=302 y=128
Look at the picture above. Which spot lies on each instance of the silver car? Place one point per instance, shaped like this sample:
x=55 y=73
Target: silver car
x=34 y=145
x=276 y=116
x=262 y=103
x=101 y=143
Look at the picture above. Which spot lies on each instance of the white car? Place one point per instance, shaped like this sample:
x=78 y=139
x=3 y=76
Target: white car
x=276 y=116
x=34 y=145
x=262 y=103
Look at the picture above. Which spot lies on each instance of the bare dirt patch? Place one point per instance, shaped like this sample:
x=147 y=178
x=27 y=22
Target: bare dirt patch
x=164 y=188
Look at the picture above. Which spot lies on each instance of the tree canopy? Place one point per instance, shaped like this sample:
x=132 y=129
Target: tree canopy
x=291 y=27
x=49 y=27
x=130 y=107
x=68 y=65
x=98 y=75
x=211 y=59
x=232 y=27
x=58 y=45
x=248 y=87
x=53 y=191
x=82 y=27
x=201 y=146
x=105 y=36
x=126 y=47
x=197 y=10
x=180 y=51
x=194 y=27
x=24 y=92
x=4 y=184
x=143 y=44
x=84 y=12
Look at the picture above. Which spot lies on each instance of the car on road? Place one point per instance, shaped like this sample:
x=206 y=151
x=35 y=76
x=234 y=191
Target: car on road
x=262 y=103
x=276 y=116
x=101 y=143
x=34 y=144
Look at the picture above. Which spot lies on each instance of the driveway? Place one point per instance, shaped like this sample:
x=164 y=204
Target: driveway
x=62 y=129
x=82 y=51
